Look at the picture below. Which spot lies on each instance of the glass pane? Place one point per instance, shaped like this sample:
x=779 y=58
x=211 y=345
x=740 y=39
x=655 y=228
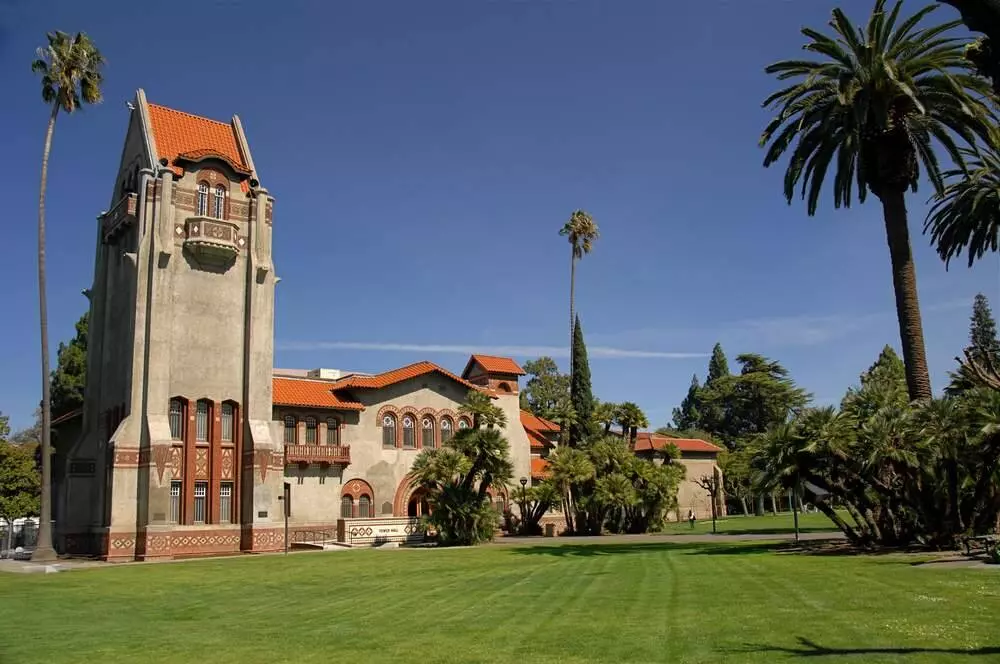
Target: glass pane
x=226 y=502
x=220 y=202
x=346 y=507
x=176 y=428
x=310 y=431
x=289 y=430
x=200 y=491
x=227 y=422
x=201 y=421
x=332 y=432
x=364 y=504
x=175 y=502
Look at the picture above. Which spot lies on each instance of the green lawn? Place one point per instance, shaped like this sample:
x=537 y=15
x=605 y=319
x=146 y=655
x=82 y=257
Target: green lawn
x=813 y=522
x=652 y=601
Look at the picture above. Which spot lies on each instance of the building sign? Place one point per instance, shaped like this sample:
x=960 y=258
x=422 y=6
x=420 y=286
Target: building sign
x=82 y=467
x=379 y=531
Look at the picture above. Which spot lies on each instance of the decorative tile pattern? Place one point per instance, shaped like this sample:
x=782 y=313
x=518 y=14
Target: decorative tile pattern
x=227 y=463
x=161 y=457
x=201 y=463
x=126 y=459
x=177 y=462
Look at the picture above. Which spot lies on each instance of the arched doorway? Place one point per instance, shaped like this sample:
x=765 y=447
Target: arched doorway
x=417 y=504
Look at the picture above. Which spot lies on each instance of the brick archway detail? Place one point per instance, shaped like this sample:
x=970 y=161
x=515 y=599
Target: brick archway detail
x=357 y=488
x=386 y=410
x=403 y=492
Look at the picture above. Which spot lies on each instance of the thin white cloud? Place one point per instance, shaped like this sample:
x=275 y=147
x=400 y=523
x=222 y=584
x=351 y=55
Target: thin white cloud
x=600 y=352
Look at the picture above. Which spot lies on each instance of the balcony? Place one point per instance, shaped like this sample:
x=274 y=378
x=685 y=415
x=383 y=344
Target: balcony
x=213 y=240
x=322 y=454
x=119 y=218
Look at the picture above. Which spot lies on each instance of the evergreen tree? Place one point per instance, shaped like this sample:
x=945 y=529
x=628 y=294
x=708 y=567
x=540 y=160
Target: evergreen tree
x=70 y=376
x=984 y=346
x=545 y=388
x=718 y=366
x=688 y=416
x=581 y=393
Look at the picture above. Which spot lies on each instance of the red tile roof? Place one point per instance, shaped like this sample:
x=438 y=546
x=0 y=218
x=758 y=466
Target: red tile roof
x=530 y=420
x=537 y=440
x=314 y=393
x=646 y=441
x=178 y=134
x=494 y=364
x=539 y=467
x=394 y=376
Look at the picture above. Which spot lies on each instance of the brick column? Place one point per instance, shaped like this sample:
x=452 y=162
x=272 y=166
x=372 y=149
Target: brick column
x=189 y=462
x=214 y=462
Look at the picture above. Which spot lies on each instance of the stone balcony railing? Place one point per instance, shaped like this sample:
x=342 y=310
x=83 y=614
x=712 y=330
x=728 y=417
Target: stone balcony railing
x=324 y=454
x=213 y=240
x=120 y=217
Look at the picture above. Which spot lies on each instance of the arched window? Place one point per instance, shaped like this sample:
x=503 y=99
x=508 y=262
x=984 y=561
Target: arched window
x=504 y=387
x=310 y=431
x=219 y=202
x=346 y=507
x=227 y=422
x=201 y=421
x=463 y=423
x=365 y=507
x=409 y=433
x=389 y=431
x=427 y=435
x=176 y=419
x=202 y=199
x=332 y=432
x=446 y=430
x=290 y=430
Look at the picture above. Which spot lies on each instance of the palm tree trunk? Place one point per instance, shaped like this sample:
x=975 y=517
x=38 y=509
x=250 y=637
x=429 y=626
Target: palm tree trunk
x=572 y=302
x=904 y=281
x=43 y=548
x=774 y=504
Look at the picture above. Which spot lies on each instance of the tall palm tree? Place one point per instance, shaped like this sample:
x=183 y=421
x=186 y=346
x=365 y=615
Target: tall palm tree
x=70 y=68
x=582 y=231
x=873 y=107
x=966 y=215
x=605 y=414
x=631 y=419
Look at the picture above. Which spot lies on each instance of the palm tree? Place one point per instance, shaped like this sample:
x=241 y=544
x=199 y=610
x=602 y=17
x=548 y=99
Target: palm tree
x=873 y=107
x=582 y=231
x=631 y=419
x=605 y=414
x=569 y=467
x=967 y=213
x=70 y=68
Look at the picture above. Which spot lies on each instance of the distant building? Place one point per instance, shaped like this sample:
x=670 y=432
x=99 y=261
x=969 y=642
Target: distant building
x=188 y=433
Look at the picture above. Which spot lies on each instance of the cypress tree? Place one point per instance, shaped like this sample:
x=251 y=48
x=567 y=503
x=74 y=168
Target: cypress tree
x=718 y=366
x=581 y=394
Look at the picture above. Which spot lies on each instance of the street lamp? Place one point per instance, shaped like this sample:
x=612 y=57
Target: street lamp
x=524 y=501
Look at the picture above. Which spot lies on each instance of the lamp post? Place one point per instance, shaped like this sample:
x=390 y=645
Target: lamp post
x=524 y=500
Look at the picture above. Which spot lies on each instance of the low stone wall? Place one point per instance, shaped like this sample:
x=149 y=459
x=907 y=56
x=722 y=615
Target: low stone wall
x=406 y=530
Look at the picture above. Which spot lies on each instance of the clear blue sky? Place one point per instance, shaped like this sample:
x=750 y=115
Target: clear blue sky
x=424 y=155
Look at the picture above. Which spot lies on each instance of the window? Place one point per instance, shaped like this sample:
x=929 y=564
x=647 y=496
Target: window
x=202 y=199
x=227 y=422
x=310 y=431
x=446 y=430
x=175 y=502
x=176 y=419
x=200 y=492
x=219 y=204
x=290 y=430
x=427 y=437
x=332 y=432
x=365 y=507
x=463 y=423
x=346 y=507
x=409 y=433
x=201 y=421
x=226 y=502
x=389 y=431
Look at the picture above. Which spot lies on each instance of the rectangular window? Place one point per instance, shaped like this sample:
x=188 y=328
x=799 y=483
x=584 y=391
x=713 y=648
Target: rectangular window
x=310 y=431
x=290 y=427
x=175 y=502
x=332 y=432
x=200 y=493
x=176 y=419
x=226 y=502
x=201 y=421
x=227 y=422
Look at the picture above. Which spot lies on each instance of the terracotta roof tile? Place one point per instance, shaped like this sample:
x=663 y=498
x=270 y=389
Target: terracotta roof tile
x=494 y=364
x=646 y=441
x=315 y=393
x=539 y=467
x=530 y=420
x=537 y=440
x=177 y=133
x=394 y=376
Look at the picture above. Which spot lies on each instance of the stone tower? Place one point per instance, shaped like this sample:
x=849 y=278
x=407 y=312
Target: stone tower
x=175 y=448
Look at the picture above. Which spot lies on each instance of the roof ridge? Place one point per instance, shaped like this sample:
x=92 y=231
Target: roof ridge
x=192 y=115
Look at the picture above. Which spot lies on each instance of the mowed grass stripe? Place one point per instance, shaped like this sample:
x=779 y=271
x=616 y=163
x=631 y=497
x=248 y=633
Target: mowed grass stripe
x=647 y=601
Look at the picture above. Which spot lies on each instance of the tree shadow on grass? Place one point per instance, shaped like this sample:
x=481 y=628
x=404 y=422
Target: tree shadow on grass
x=626 y=548
x=810 y=648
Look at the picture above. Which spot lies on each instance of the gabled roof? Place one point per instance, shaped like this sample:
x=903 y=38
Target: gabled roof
x=179 y=136
x=530 y=420
x=310 y=393
x=494 y=364
x=394 y=376
x=646 y=441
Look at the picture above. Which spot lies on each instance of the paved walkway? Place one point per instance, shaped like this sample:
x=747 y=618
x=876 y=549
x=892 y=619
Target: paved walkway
x=679 y=539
